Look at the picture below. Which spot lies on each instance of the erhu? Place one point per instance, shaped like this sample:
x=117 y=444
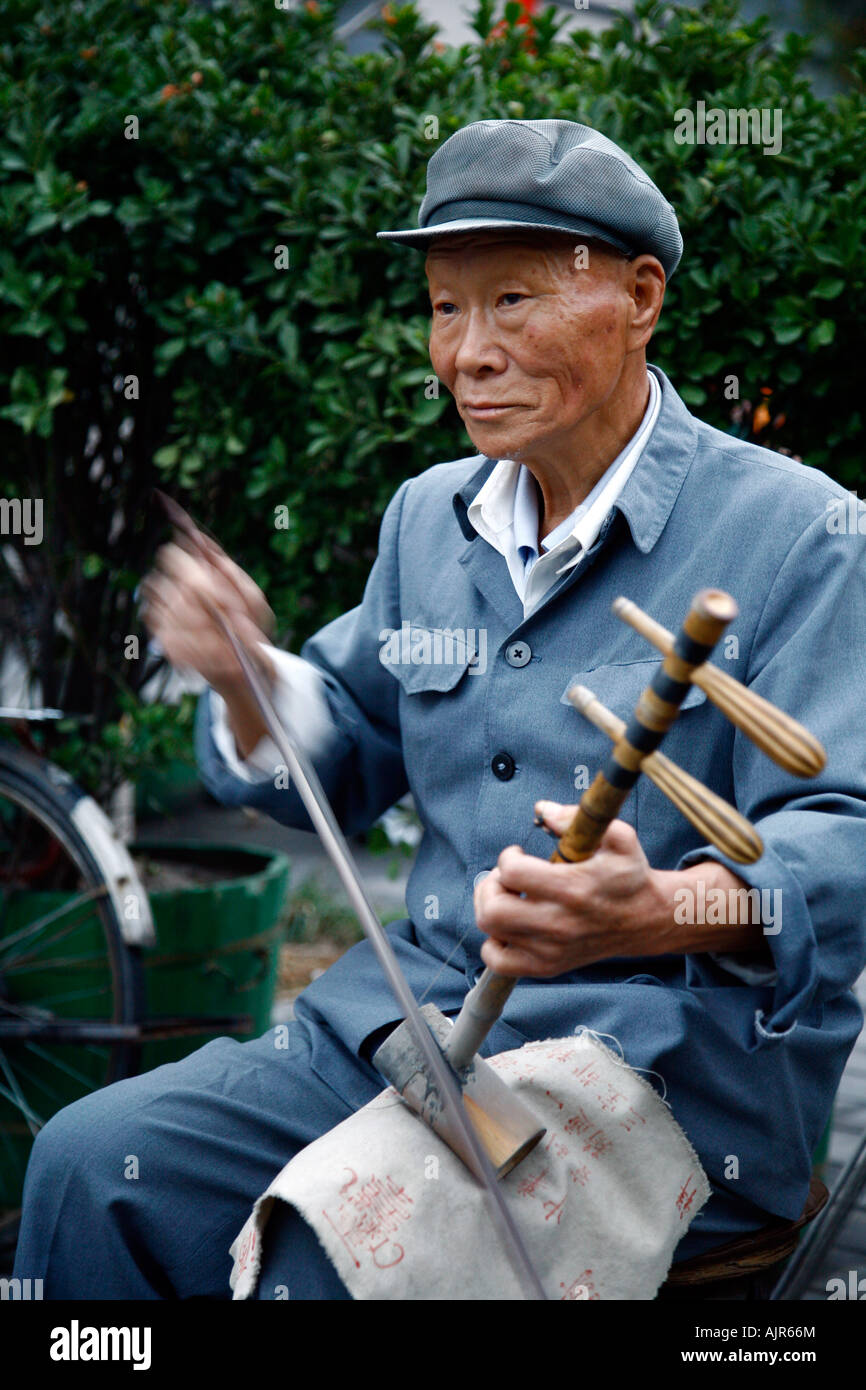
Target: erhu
x=635 y=751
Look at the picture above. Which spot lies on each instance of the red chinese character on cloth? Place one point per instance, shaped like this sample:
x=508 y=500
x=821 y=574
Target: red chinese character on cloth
x=588 y=1074
x=630 y=1119
x=367 y=1217
x=579 y=1173
x=555 y=1209
x=563 y=1053
x=686 y=1197
x=526 y=1187
x=597 y=1144
x=609 y=1102
x=556 y=1146
x=552 y=1097
x=579 y=1123
x=248 y=1245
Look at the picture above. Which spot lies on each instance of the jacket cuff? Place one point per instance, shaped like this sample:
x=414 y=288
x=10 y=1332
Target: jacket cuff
x=789 y=932
x=299 y=700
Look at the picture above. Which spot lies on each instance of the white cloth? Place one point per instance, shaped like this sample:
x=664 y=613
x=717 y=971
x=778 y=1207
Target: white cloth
x=299 y=699
x=505 y=513
x=601 y=1202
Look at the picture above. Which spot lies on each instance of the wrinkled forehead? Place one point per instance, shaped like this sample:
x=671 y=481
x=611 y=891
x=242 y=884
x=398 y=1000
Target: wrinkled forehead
x=550 y=251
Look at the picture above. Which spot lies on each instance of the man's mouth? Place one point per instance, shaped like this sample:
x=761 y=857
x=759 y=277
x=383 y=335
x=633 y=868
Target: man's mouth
x=485 y=410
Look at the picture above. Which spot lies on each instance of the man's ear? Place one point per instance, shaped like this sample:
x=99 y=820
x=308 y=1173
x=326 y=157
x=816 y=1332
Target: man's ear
x=645 y=283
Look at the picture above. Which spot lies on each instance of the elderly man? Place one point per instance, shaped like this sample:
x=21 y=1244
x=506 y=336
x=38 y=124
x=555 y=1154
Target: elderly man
x=547 y=255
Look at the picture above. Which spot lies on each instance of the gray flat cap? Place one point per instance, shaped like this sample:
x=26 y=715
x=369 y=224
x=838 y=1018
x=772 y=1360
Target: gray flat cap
x=554 y=175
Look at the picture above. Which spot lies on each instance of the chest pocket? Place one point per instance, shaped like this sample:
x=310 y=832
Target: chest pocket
x=619 y=686
x=430 y=659
x=664 y=834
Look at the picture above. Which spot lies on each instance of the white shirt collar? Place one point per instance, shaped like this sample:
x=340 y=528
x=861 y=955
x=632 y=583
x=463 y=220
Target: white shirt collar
x=505 y=512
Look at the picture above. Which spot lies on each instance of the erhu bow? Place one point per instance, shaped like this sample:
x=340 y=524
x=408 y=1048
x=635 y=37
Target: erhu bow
x=447 y=1097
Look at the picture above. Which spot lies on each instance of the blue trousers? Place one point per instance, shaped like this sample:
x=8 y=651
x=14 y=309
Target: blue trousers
x=138 y=1190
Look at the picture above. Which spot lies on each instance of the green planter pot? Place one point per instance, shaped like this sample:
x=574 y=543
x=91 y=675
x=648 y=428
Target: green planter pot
x=217 y=943
x=216 y=956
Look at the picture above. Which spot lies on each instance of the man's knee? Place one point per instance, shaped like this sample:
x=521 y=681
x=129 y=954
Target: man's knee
x=83 y=1141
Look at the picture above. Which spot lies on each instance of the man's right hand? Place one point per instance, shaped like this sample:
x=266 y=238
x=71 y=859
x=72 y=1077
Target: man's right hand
x=176 y=595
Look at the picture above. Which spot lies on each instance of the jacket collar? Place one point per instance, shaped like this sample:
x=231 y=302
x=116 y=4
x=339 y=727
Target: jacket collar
x=648 y=497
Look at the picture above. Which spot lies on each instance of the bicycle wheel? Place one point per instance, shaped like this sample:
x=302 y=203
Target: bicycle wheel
x=72 y=919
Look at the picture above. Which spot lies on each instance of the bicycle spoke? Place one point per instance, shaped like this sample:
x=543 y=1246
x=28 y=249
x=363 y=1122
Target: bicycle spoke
x=18 y=1161
x=92 y=992
x=64 y=966
x=34 y=928
x=60 y=1065
x=32 y=967
x=16 y=1098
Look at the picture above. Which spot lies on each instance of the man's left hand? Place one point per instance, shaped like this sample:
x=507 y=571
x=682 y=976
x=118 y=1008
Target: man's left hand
x=544 y=919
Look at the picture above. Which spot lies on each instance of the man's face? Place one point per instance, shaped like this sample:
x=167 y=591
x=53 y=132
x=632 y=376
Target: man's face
x=530 y=343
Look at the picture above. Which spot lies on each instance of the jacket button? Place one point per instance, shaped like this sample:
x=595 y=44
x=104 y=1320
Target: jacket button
x=518 y=653
x=503 y=766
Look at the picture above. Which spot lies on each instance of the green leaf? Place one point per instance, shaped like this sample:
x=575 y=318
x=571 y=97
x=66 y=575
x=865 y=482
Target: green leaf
x=822 y=334
x=755 y=336
x=693 y=395
x=289 y=340
x=218 y=352
x=785 y=333
x=829 y=288
x=428 y=411
x=40 y=222
x=789 y=372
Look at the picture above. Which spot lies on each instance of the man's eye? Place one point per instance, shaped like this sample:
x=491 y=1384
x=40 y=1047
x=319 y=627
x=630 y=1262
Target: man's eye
x=513 y=297
x=446 y=307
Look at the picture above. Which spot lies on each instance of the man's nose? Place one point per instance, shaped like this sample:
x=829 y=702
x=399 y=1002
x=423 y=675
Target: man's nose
x=478 y=347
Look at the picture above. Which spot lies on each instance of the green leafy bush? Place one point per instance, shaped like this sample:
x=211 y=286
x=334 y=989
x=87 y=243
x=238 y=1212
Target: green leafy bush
x=285 y=394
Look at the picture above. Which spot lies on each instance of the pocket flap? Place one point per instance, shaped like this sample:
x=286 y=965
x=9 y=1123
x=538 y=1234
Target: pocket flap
x=619 y=686
x=429 y=658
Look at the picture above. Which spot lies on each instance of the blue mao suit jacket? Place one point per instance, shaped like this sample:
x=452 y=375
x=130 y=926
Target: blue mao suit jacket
x=749 y=1069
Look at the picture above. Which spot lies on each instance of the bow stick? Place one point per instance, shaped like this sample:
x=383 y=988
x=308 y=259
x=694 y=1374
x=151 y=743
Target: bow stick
x=325 y=822
x=634 y=751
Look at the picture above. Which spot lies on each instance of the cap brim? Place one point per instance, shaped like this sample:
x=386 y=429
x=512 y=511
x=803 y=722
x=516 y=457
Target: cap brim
x=423 y=236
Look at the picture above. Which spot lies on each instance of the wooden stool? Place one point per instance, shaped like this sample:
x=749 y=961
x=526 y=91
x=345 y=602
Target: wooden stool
x=745 y=1268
